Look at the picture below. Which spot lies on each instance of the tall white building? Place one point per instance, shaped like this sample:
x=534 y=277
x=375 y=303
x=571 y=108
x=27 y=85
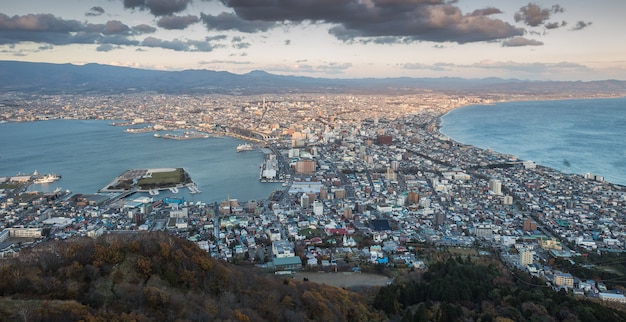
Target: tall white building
x=495 y=186
x=525 y=257
x=318 y=208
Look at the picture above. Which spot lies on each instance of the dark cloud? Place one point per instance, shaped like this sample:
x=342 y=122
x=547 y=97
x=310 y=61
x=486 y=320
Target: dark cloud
x=412 y=20
x=241 y=45
x=287 y=42
x=105 y=47
x=158 y=7
x=94 y=12
x=486 y=12
x=521 y=41
x=552 y=25
x=533 y=15
x=229 y=21
x=39 y=22
x=48 y=29
x=177 y=22
x=144 y=29
x=180 y=45
x=581 y=25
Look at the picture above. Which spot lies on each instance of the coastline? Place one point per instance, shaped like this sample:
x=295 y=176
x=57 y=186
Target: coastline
x=439 y=125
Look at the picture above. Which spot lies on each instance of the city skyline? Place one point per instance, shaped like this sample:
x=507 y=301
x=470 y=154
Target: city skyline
x=576 y=40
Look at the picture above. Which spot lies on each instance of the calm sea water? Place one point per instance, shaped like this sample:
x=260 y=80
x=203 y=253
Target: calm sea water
x=90 y=154
x=572 y=136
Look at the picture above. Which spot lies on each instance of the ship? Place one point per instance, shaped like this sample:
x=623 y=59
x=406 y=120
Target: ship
x=244 y=147
x=49 y=178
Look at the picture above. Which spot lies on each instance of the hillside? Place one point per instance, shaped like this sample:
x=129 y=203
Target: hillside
x=157 y=277
x=45 y=78
x=460 y=289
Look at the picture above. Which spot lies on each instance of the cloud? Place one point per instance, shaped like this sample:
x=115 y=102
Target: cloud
x=105 y=47
x=48 y=29
x=144 y=29
x=410 y=20
x=177 y=22
x=533 y=15
x=287 y=42
x=38 y=22
x=94 y=12
x=158 y=7
x=241 y=45
x=229 y=21
x=581 y=25
x=439 y=67
x=521 y=41
x=529 y=68
x=555 y=24
x=486 y=12
x=217 y=62
x=180 y=45
x=331 y=68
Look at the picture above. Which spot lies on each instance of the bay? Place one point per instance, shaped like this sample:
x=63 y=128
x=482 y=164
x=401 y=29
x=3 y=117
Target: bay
x=573 y=136
x=89 y=154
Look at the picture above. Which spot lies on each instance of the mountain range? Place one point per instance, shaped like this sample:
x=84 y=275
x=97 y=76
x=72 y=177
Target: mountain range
x=47 y=78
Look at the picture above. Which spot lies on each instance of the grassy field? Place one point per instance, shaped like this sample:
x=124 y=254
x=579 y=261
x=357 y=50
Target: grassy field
x=164 y=179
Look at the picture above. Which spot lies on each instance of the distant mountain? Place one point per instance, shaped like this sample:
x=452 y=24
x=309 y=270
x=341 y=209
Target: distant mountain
x=95 y=78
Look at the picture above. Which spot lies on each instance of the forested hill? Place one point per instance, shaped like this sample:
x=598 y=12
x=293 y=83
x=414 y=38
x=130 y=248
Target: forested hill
x=157 y=277
x=460 y=290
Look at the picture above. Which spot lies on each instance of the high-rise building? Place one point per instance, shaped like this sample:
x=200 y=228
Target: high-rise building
x=495 y=186
x=318 y=208
x=413 y=198
x=304 y=201
x=439 y=218
x=525 y=257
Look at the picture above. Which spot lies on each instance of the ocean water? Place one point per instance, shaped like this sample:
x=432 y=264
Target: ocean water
x=573 y=136
x=89 y=154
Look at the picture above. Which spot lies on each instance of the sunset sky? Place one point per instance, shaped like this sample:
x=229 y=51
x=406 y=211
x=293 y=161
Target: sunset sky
x=566 y=40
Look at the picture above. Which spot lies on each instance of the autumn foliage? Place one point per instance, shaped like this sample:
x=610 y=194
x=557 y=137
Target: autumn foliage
x=157 y=276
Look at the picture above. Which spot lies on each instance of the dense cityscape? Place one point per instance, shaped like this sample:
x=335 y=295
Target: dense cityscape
x=366 y=178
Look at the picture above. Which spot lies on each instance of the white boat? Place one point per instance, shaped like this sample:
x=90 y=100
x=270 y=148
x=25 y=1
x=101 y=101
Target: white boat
x=244 y=147
x=47 y=178
x=174 y=189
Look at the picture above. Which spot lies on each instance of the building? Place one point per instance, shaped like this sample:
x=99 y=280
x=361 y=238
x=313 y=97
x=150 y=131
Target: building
x=413 y=198
x=384 y=140
x=564 y=280
x=612 y=297
x=495 y=186
x=484 y=231
x=318 y=208
x=25 y=232
x=304 y=201
x=525 y=257
x=282 y=249
x=306 y=166
x=439 y=218
x=529 y=225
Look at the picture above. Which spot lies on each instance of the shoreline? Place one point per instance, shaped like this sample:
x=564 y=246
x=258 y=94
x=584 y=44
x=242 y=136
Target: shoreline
x=438 y=121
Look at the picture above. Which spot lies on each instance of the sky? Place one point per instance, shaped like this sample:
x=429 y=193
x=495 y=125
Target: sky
x=561 y=40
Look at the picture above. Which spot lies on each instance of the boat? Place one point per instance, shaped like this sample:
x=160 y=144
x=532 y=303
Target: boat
x=244 y=147
x=49 y=178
